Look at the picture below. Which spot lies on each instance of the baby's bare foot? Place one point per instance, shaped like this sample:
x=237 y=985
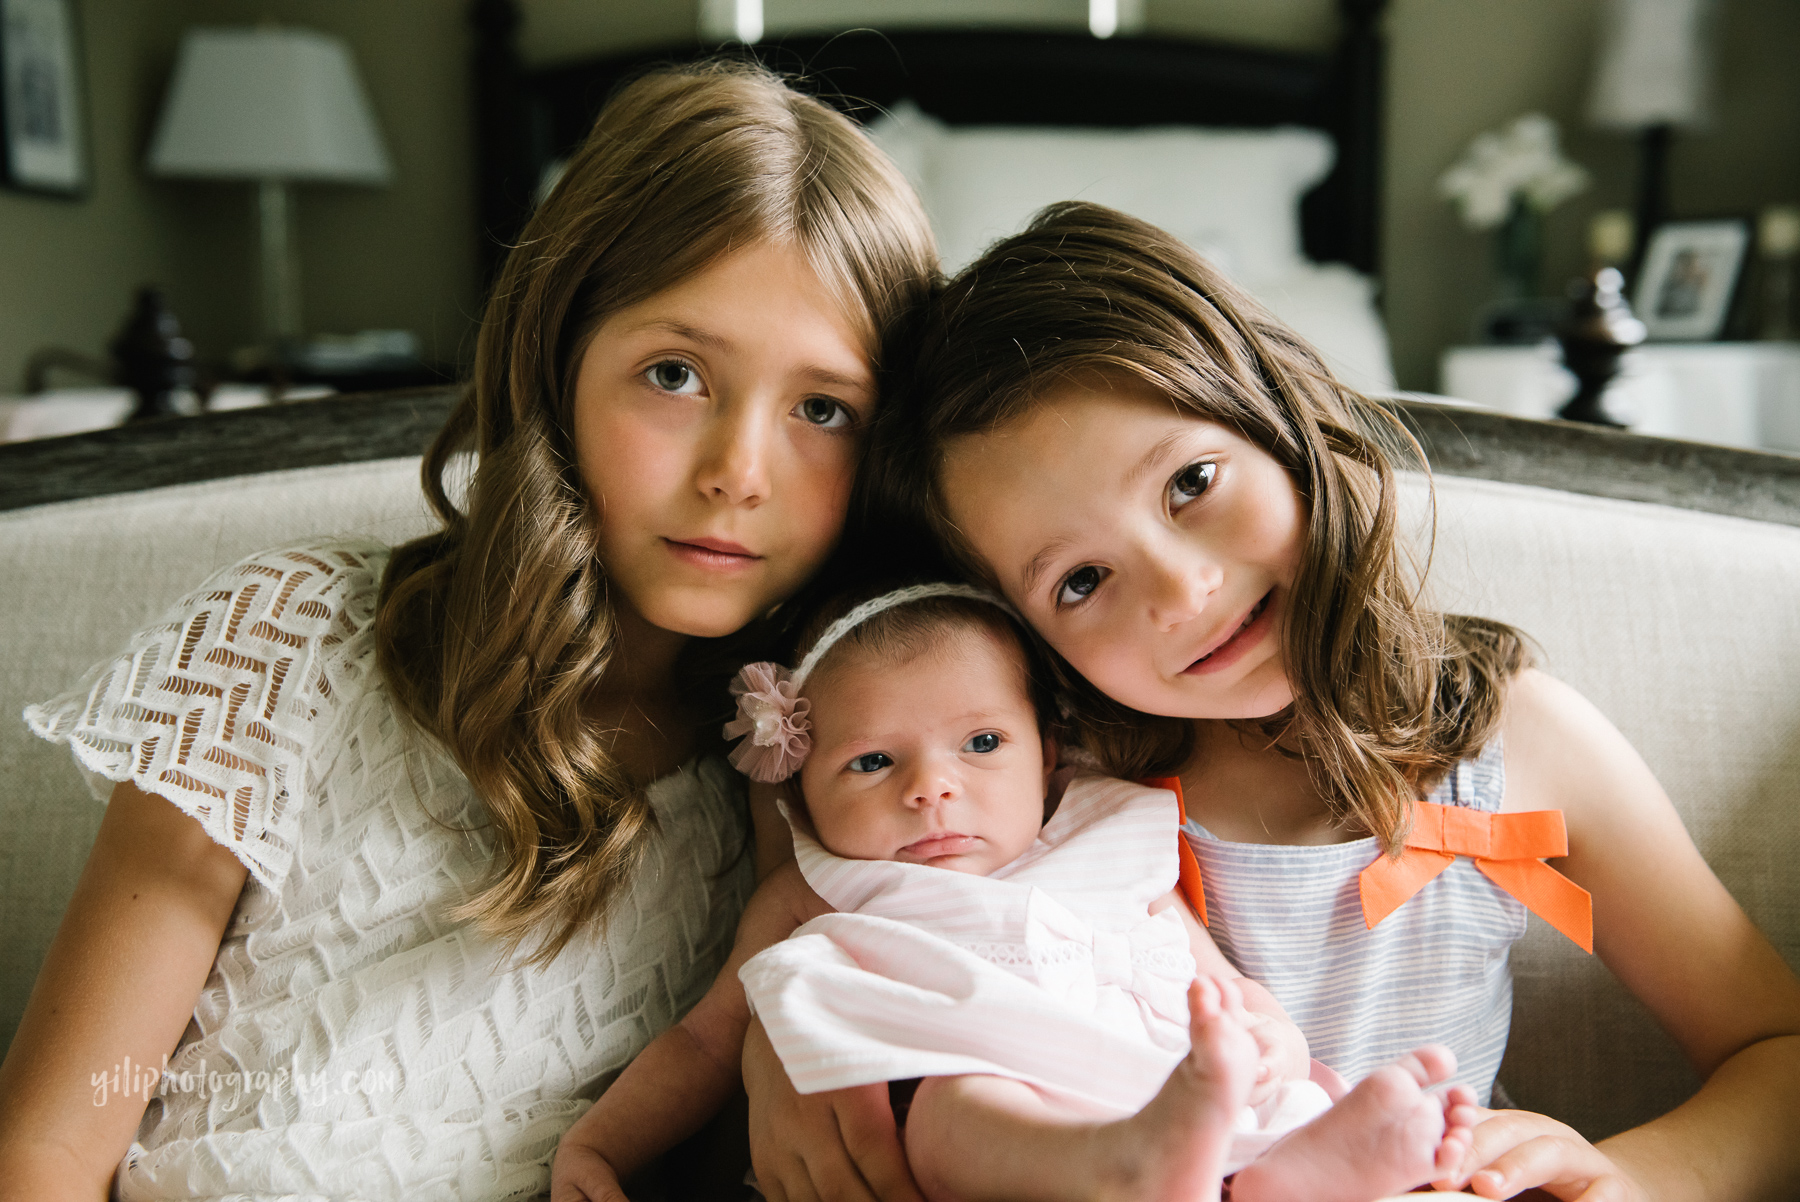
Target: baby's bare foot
x=1384 y=1137
x=1174 y=1148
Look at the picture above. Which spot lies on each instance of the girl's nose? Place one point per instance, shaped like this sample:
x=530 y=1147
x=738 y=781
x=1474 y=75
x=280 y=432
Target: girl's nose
x=733 y=465
x=1180 y=588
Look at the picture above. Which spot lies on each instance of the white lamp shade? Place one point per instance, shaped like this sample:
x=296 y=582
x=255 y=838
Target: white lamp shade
x=268 y=103
x=1654 y=66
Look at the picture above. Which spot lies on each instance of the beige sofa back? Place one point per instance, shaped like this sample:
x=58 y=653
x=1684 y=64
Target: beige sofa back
x=1680 y=625
x=76 y=579
x=1684 y=629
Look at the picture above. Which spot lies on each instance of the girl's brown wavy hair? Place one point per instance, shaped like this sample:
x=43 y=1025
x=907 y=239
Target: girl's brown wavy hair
x=1388 y=694
x=495 y=632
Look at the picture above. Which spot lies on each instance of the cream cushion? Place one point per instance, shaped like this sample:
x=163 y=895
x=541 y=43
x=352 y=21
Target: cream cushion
x=1681 y=626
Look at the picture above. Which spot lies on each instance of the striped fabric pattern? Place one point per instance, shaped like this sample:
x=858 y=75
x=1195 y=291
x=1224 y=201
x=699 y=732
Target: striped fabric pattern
x=1435 y=970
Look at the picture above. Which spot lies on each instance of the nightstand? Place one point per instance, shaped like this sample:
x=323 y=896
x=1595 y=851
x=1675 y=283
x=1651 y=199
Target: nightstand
x=1741 y=394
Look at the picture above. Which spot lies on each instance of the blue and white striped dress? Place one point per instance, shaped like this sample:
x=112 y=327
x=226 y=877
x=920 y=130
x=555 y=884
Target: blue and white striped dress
x=1433 y=971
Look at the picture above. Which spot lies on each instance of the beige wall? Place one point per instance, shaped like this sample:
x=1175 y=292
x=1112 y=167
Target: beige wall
x=558 y=30
x=1282 y=24
x=404 y=256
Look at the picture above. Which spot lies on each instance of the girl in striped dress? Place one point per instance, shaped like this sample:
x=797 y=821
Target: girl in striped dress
x=1078 y=1033
x=1199 y=523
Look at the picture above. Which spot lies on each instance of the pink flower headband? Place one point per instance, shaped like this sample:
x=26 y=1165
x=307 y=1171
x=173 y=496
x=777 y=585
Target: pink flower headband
x=769 y=706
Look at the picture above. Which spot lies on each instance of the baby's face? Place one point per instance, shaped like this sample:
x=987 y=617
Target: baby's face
x=933 y=760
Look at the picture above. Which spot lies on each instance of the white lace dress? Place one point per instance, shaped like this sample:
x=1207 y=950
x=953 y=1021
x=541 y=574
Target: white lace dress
x=353 y=1041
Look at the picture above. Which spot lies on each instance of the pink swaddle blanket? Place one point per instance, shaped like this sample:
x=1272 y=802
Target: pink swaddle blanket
x=1050 y=971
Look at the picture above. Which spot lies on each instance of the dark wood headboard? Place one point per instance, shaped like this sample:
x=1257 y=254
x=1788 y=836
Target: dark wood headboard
x=529 y=118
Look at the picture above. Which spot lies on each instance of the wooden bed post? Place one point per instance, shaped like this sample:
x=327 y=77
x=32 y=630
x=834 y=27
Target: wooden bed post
x=1359 y=138
x=1342 y=217
x=502 y=150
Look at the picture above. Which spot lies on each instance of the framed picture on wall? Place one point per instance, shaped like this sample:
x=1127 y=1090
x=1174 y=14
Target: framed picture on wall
x=41 y=102
x=1689 y=276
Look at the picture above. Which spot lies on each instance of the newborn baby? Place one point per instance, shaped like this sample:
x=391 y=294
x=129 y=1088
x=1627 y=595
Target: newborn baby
x=1076 y=1031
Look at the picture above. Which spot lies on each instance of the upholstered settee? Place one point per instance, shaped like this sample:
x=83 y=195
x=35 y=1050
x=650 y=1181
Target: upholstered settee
x=1675 y=612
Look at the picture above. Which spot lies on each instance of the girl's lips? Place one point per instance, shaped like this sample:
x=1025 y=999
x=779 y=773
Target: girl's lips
x=1250 y=631
x=933 y=846
x=714 y=553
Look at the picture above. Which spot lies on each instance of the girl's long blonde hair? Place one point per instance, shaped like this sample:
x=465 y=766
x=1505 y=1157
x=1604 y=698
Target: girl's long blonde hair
x=1388 y=694
x=494 y=632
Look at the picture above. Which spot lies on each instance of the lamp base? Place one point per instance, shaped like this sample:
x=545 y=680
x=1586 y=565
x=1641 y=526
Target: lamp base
x=280 y=279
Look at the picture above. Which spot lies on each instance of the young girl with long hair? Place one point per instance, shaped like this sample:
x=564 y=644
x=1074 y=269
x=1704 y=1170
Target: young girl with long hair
x=410 y=850
x=1201 y=525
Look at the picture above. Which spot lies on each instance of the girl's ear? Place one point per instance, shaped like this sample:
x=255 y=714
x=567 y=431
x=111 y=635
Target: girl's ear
x=1049 y=756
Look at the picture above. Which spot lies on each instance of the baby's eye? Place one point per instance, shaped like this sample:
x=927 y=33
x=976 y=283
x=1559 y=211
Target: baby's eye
x=825 y=413
x=672 y=375
x=984 y=743
x=874 y=761
x=1078 y=584
x=1191 y=481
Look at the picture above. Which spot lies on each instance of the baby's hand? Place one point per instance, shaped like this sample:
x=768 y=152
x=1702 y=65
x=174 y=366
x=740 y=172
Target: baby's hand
x=580 y=1174
x=1282 y=1055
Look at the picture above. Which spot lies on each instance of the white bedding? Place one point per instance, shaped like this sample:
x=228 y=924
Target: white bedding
x=1232 y=194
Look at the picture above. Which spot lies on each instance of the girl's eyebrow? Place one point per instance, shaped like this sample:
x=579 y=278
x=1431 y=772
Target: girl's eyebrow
x=1034 y=567
x=826 y=376
x=683 y=330
x=1157 y=452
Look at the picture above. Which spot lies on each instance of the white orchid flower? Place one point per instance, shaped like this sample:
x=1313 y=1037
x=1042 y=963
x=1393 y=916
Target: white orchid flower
x=1524 y=160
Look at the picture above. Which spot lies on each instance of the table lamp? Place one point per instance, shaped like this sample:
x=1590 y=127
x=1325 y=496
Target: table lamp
x=279 y=106
x=1653 y=76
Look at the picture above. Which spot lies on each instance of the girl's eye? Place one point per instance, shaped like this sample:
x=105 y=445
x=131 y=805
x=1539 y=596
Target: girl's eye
x=875 y=761
x=824 y=413
x=982 y=744
x=1077 y=585
x=1191 y=481
x=672 y=375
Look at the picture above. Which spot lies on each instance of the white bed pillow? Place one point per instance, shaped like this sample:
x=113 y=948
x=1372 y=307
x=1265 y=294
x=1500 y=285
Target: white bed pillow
x=1333 y=307
x=1232 y=194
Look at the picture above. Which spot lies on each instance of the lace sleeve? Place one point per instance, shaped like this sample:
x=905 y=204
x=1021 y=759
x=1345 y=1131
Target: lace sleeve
x=220 y=706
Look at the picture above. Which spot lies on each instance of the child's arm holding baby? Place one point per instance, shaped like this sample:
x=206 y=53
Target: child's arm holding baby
x=689 y=1071
x=1284 y=1054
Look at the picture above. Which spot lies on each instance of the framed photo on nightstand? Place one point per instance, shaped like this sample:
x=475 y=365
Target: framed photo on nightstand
x=1689 y=275
x=43 y=131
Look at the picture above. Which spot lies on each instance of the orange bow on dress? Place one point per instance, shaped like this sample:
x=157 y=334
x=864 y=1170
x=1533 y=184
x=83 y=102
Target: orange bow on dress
x=1189 y=883
x=1509 y=849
